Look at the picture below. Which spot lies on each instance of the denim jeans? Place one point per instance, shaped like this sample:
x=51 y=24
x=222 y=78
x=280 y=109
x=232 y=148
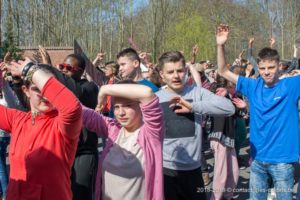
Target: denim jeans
x=298 y=190
x=282 y=175
x=4 y=141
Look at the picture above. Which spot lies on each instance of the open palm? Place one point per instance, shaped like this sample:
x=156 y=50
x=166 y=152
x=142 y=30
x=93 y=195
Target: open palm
x=222 y=34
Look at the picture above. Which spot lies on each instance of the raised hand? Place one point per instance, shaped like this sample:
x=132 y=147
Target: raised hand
x=272 y=41
x=16 y=68
x=144 y=56
x=101 y=56
x=241 y=54
x=222 y=34
x=195 y=49
x=7 y=57
x=6 y=60
x=239 y=103
x=251 y=41
x=44 y=55
x=180 y=105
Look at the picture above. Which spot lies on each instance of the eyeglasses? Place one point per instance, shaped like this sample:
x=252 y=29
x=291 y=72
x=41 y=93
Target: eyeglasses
x=69 y=67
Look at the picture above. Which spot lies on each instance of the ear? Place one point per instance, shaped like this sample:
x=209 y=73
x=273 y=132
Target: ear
x=136 y=63
x=26 y=91
x=161 y=74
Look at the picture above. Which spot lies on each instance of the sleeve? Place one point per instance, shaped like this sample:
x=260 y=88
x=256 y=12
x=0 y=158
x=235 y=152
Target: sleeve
x=7 y=117
x=10 y=97
x=294 y=65
x=153 y=118
x=98 y=123
x=68 y=106
x=244 y=85
x=212 y=104
x=294 y=83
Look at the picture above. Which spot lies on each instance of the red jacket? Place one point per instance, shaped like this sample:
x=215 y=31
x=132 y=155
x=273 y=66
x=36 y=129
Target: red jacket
x=42 y=150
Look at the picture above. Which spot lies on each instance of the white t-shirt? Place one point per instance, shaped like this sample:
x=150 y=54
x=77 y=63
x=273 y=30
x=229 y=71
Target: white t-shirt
x=123 y=175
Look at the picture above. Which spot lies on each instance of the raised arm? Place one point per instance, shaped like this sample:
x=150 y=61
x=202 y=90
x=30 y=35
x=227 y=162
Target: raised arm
x=250 y=57
x=68 y=107
x=194 y=54
x=272 y=42
x=98 y=123
x=195 y=74
x=295 y=62
x=221 y=38
x=45 y=56
x=136 y=92
x=99 y=59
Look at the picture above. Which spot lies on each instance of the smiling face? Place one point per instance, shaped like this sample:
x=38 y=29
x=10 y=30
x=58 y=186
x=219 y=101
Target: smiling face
x=173 y=74
x=38 y=102
x=128 y=113
x=269 y=71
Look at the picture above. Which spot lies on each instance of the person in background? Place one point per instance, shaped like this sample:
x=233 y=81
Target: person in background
x=85 y=164
x=129 y=68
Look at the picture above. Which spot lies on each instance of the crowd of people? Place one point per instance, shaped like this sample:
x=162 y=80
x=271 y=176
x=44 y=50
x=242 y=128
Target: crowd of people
x=153 y=119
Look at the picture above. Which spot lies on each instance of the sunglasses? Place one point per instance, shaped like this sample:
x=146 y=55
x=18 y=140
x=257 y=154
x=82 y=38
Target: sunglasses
x=69 y=67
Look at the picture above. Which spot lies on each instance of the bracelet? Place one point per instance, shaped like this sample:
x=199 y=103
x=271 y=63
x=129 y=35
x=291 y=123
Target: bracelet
x=29 y=75
x=26 y=69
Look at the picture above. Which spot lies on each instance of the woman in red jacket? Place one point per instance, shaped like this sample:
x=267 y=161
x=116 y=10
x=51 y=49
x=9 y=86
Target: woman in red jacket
x=43 y=141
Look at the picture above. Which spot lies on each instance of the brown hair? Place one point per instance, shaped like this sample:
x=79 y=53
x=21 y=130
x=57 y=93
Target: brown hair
x=171 y=56
x=268 y=54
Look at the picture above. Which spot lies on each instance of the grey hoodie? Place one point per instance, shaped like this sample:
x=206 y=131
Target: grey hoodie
x=183 y=137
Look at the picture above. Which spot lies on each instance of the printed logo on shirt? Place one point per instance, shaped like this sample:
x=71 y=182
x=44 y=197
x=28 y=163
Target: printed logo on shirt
x=276 y=98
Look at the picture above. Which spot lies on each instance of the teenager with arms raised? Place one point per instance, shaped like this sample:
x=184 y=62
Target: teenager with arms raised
x=274 y=121
x=130 y=166
x=43 y=141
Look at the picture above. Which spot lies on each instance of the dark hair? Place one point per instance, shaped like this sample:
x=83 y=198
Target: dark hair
x=242 y=69
x=171 y=56
x=268 y=54
x=130 y=53
x=221 y=82
x=80 y=60
x=155 y=78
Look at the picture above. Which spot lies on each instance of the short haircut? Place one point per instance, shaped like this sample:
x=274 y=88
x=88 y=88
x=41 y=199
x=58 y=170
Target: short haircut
x=130 y=53
x=170 y=57
x=80 y=60
x=268 y=54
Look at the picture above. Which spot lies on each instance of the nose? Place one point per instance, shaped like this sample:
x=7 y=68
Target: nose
x=121 y=111
x=267 y=72
x=176 y=75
